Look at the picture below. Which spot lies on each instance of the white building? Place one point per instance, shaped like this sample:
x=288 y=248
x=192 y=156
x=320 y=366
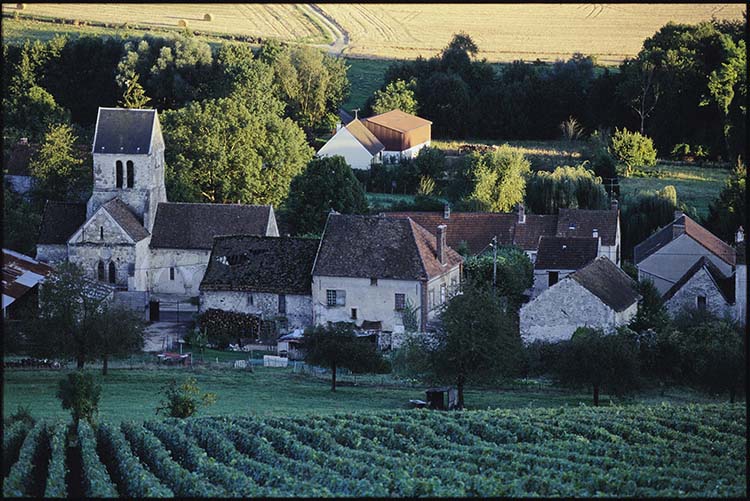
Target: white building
x=359 y=147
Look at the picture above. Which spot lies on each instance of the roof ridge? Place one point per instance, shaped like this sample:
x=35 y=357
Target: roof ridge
x=411 y=224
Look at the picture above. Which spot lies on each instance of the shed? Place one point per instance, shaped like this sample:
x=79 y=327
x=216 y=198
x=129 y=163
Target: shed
x=442 y=398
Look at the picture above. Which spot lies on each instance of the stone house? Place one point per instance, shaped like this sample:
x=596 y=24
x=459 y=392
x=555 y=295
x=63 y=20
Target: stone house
x=667 y=255
x=558 y=257
x=359 y=147
x=599 y=295
x=266 y=276
x=703 y=286
x=370 y=268
x=475 y=230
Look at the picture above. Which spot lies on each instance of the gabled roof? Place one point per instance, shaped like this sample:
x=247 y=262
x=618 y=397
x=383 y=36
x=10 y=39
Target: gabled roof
x=725 y=285
x=399 y=121
x=60 y=220
x=379 y=247
x=609 y=283
x=583 y=222
x=126 y=131
x=701 y=235
x=122 y=215
x=365 y=137
x=277 y=265
x=194 y=226
x=565 y=253
x=344 y=116
x=21 y=273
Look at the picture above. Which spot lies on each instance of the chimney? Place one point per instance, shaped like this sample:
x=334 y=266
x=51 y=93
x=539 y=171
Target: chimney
x=614 y=204
x=441 y=243
x=740 y=235
x=521 y=213
x=446 y=211
x=595 y=233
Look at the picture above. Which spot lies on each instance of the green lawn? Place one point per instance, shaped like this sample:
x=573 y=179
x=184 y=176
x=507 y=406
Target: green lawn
x=365 y=76
x=134 y=394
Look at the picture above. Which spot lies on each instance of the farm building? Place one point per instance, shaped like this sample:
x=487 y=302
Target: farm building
x=599 y=295
x=402 y=134
x=265 y=276
x=359 y=147
x=558 y=257
x=703 y=286
x=370 y=268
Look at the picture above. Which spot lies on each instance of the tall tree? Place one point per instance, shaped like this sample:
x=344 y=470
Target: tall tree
x=134 y=95
x=500 y=178
x=397 y=95
x=515 y=272
x=59 y=172
x=20 y=223
x=566 y=187
x=728 y=211
x=119 y=332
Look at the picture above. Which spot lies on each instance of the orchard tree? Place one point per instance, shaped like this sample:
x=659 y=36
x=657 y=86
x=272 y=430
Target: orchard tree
x=478 y=339
x=119 y=333
x=80 y=393
x=327 y=183
x=632 y=150
x=500 y=178
x=397 y=95
x=336 y=345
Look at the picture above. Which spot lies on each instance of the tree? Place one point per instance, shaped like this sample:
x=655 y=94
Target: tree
x=119 y=333
x=652 y=314
x=643 y=215
x=396 y=95
x=327 y=183
x=183 y=400
x=336 y=345
x=134 y=95
x=640 y=87
x=604 y=361
x=463 y=42
x=728 y=211
x=565 y=187
x=500 y=178
x=632 y=149
x=477 y=339
x=242 y=156
x=515 y=272
x=59 y=173
x=80 y=393
x=68 y=316
x=20 y=223
x=431 y=162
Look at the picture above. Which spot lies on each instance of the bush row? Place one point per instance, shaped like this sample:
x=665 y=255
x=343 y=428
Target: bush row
x=96 y=480
x=20 y=481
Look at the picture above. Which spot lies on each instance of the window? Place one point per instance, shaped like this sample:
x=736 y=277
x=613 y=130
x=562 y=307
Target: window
x=131 y=174
x=354 y=313
x=335 y=297
x=454 y=285
x=701 y=302
x=171 y=273
x=101 y=233
x=400 y=302
x=432 y=299
x=118 y=173
x=100 y=271
x=373 y=281
x=282 y=303
x=112 y=272
x=553 y=277
x=250 y=299
x=330 y=297
x=442 y=293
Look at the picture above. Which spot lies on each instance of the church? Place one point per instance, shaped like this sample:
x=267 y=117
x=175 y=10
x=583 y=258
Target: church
x=128 y=234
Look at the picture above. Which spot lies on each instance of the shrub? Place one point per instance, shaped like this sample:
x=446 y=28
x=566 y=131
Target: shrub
x=426 y=186
x=80 y=393
x=571 y=129
x=631 y=149
x=182 y=23
x=224 y=327
x=181 y=401
x=208 y=17
x=681 y=151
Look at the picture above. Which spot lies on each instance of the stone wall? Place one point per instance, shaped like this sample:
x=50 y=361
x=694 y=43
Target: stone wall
x=700 y=284
x=189 y=268
x=88 y=256
x=52 y=254
x=263 y=304
x=541 y=280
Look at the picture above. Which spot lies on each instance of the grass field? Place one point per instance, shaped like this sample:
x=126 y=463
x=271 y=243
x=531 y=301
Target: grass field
x=365 y=76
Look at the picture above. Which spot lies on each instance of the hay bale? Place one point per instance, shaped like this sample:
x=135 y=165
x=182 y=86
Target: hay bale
x=182 y=23
x=20 y=6
x=208 y=17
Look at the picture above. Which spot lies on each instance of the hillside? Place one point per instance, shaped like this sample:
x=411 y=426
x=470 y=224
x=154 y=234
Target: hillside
x=696 y=450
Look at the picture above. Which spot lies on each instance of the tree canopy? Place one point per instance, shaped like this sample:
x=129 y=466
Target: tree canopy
x=515 y=272
x=566 y=187
x=500 y=178
x=397 y=95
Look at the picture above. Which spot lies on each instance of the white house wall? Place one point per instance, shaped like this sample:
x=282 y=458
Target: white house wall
x=345 y=144
x=667 y=265
x=394 y=156
x=740 y=291
x=373 y=302
x=189 y=267
x=266 y=305
x=451 y=280
x=700 y=284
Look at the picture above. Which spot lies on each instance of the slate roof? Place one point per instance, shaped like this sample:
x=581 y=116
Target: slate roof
x=701 y=235
x=609 y=283
x=126 y=131
x=277 y=265
x=379 y=247
x=399 y=121
x=365 y=137
x=586 y=221
x=194 y=226
x=565 y=253
x=125 y=218
x=21 y=273
x=725 y=285
x=60 y=220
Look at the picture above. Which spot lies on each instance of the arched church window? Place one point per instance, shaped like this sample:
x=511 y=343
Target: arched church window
x=111 y=272
x=131 y=174
x=118 y=173
x=101 y=233
x=100 y=271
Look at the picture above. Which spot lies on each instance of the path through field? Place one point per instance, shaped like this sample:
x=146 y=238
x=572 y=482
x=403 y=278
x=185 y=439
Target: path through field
x=340 y=35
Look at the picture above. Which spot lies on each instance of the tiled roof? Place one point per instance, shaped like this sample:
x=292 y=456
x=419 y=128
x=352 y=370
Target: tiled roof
x=126 y=131
x=609 y=283
x=565 y=253
x=725 y=285
x=526 y=235
x=583 y=222
x=122 y=215
x=277 y=265
x=379 y=247
x=21 y=273
x=365 y=137
x=399 y=121
x=194 y=226
x=701 y=235
x=60 y=220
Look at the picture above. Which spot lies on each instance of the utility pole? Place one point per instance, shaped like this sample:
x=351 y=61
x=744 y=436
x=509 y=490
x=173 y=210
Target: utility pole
x=494 y=262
